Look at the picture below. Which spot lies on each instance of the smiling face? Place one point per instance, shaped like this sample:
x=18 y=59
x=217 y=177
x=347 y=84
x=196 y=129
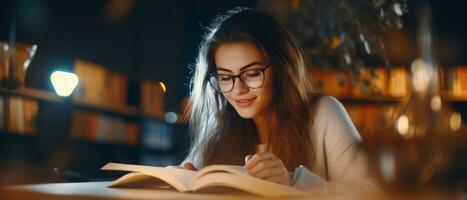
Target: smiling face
x=234 y=58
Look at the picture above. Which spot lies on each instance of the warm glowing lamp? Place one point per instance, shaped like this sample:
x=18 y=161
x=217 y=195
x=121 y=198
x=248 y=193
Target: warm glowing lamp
x=64 y=82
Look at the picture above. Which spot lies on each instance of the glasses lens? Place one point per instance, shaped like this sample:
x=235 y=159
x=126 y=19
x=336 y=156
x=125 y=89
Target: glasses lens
x=225 y=83
x=253 y=78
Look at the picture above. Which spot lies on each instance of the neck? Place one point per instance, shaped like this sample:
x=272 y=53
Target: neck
x=262 y=127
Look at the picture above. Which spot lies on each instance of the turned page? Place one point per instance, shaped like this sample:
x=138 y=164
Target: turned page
x=212 y=176
x=233 y=169
x=180 y=179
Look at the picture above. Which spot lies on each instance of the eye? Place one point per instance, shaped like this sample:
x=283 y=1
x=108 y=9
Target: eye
x=221 y=77
x=252 y=73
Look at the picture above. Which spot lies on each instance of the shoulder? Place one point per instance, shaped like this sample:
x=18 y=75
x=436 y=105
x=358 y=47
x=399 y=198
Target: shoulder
x=329 y=118
x=324 y=107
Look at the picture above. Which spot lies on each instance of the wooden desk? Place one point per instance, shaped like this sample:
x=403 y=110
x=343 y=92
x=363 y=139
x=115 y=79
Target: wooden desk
x=99 y=190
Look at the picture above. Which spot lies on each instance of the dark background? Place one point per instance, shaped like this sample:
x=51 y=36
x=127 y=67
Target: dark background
x=158 y=40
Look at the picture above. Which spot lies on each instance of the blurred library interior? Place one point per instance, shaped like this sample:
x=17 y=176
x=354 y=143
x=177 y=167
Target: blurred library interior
x=132 y=59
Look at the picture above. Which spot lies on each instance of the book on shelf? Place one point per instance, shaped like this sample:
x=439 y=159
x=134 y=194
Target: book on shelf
x=369 y=83
x=99 y=85
x=152 y=98
x=331 y=82
x=212 y=178
x=370 y=118
x=22 y=115
x=455 y=81
x=398 y=82
x=94 y=126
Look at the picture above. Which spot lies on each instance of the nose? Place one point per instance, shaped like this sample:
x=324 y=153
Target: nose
x=239 y=87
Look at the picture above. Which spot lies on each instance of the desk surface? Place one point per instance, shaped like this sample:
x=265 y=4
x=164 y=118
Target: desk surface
x=99 y=190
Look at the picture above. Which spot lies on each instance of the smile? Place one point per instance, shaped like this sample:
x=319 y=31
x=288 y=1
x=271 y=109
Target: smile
x=244 y=102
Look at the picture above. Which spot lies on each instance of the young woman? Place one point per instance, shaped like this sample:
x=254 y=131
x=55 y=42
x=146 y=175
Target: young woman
x=251 y=87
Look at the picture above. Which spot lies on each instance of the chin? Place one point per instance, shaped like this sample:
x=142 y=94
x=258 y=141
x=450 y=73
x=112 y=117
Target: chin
x=246 y=114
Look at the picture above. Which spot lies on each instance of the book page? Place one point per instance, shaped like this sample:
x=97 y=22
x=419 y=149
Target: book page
x=213 y=176
x=237 y=177
x=233 y=169
x=246 y=183
x=178 y=178
x=138 y=180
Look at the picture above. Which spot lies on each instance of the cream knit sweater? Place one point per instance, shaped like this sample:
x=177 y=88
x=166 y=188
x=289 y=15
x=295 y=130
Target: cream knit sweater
x=340 y=166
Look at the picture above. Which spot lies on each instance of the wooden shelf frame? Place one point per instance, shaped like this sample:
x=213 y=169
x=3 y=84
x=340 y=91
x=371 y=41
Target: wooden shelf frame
x=41 y=95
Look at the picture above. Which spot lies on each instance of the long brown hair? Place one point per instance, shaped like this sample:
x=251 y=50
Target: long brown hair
x=219 y=134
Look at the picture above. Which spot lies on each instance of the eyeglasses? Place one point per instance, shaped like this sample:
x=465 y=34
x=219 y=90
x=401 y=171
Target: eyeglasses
x=253 y=78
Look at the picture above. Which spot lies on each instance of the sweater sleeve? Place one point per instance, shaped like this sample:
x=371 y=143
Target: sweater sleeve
x=345 y=162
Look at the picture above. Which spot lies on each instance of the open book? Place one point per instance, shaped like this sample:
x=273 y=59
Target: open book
x=183 y=180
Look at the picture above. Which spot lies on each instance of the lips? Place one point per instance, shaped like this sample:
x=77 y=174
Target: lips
x=244 y=102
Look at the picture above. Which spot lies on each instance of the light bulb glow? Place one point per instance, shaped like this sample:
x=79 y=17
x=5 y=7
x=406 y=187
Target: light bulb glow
x=436 y=103
x=403 y=125
x=171 y=117
x=455 y=121
x=64 y=82
x=421 y=75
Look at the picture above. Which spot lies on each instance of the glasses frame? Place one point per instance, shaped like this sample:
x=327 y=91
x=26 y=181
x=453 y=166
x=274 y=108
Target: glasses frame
x=234 y=77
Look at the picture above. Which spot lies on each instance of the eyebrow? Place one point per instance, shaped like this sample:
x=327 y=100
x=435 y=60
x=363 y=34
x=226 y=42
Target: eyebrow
x=242 y=68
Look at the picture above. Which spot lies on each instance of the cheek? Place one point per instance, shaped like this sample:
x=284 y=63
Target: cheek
x=227 y=96
x=265 y=95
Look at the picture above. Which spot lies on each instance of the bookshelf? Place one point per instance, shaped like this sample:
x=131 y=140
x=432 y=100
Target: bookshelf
x=452 y=98
x=41 y=96
x=33 y=94
x=54 y=135
x=372 y=97
x=54 y=141
x=130 y=111
x=370 y=100
x=117 y=130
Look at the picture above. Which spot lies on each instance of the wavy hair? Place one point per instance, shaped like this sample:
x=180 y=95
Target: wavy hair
x=219 y=134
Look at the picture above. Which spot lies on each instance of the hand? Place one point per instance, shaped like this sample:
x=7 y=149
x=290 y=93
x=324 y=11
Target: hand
x=189 y=166
x=268 y=167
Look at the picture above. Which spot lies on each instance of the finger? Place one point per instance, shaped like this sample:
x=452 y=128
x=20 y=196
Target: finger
x=264 y=164
x=189 y=166
x=269 y=172
x=277 y=179
x=257 y=158
x=247 y=158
